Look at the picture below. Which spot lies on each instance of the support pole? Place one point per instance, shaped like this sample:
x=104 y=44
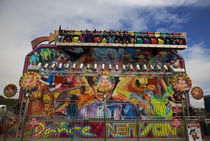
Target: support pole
x=104 y=116
x=24 y=117
x=19 y=117
x=7 y=126
x=184 y=119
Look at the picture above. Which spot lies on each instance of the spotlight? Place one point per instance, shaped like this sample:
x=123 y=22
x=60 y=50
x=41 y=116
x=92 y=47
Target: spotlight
x=52 y=65
x=95 y=66
x=151 y=67
x=158 y=67
x=165 y=67
x=131 y=67
x=110 y=66
x=74 y=66
x=124 y=67
x=88 y=66
x=144 y=67
x=103 y=66
x=60 y=65
x=171 y=67
x=39 y=65
x=81 y=66
x=116 y=67
x=46 y=65
x=67 y=66
x=138 y=67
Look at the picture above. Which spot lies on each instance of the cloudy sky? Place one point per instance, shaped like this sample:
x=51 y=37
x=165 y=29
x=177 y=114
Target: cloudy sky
x=23 y=20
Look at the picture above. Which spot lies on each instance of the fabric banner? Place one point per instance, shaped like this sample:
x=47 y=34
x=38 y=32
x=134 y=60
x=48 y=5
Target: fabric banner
x=194 y=132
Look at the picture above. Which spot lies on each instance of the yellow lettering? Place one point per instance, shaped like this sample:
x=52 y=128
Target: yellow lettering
x=163 y=129
x=141 y=126
x=123 y=129
x=134 y=128
x=83 y=131
x=157 y=129
x=62 y=129
x=169 y=129
x=109 y=128
x=42 y=129
x=74 y=128
x=146 y=129
x=49 y=131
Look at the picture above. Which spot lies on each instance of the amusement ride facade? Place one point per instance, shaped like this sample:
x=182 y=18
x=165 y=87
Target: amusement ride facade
x=105 y=84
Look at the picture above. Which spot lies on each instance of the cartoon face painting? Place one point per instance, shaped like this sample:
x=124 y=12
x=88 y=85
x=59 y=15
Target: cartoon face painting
x=104 y=85
x=10 y=90
x=29 y=80
x=194 y=134
x=197 y=93
x=181 y=83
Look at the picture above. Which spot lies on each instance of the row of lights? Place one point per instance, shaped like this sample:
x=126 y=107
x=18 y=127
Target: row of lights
x=124 y=67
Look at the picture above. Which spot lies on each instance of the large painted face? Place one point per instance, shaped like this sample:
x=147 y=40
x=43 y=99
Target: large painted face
x=104 y=87
x=147 y=97
x=193 y=133
x=10 y=90
x=182 y=81
x=104 y=80
x=69 y=79
x=197 y=93
x=29 y=80
x=141 y=82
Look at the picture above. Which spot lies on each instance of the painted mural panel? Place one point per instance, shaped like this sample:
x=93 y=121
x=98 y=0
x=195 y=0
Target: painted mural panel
x=146 y=95
x=84 y=93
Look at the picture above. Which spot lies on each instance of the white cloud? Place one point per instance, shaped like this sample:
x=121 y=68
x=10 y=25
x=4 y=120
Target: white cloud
x=197 y=62
x=161 y=3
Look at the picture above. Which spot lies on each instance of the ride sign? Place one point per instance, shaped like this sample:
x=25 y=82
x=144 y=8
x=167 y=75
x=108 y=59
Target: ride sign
x=176 y=123
x=33 y=121
x=176 y=107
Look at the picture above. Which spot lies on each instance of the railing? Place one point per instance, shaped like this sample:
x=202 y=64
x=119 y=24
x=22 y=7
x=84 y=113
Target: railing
x=55 y=127
x=94 y=119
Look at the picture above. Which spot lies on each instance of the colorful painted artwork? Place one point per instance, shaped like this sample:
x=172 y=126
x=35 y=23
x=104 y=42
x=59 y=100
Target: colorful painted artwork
x=181 y=82
x=84 y=93
x=197 y=93
x=63 y=129
x=30 y=82
x=10 y=90
x=143 y=130
x=145 y=95
x=43 y=55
